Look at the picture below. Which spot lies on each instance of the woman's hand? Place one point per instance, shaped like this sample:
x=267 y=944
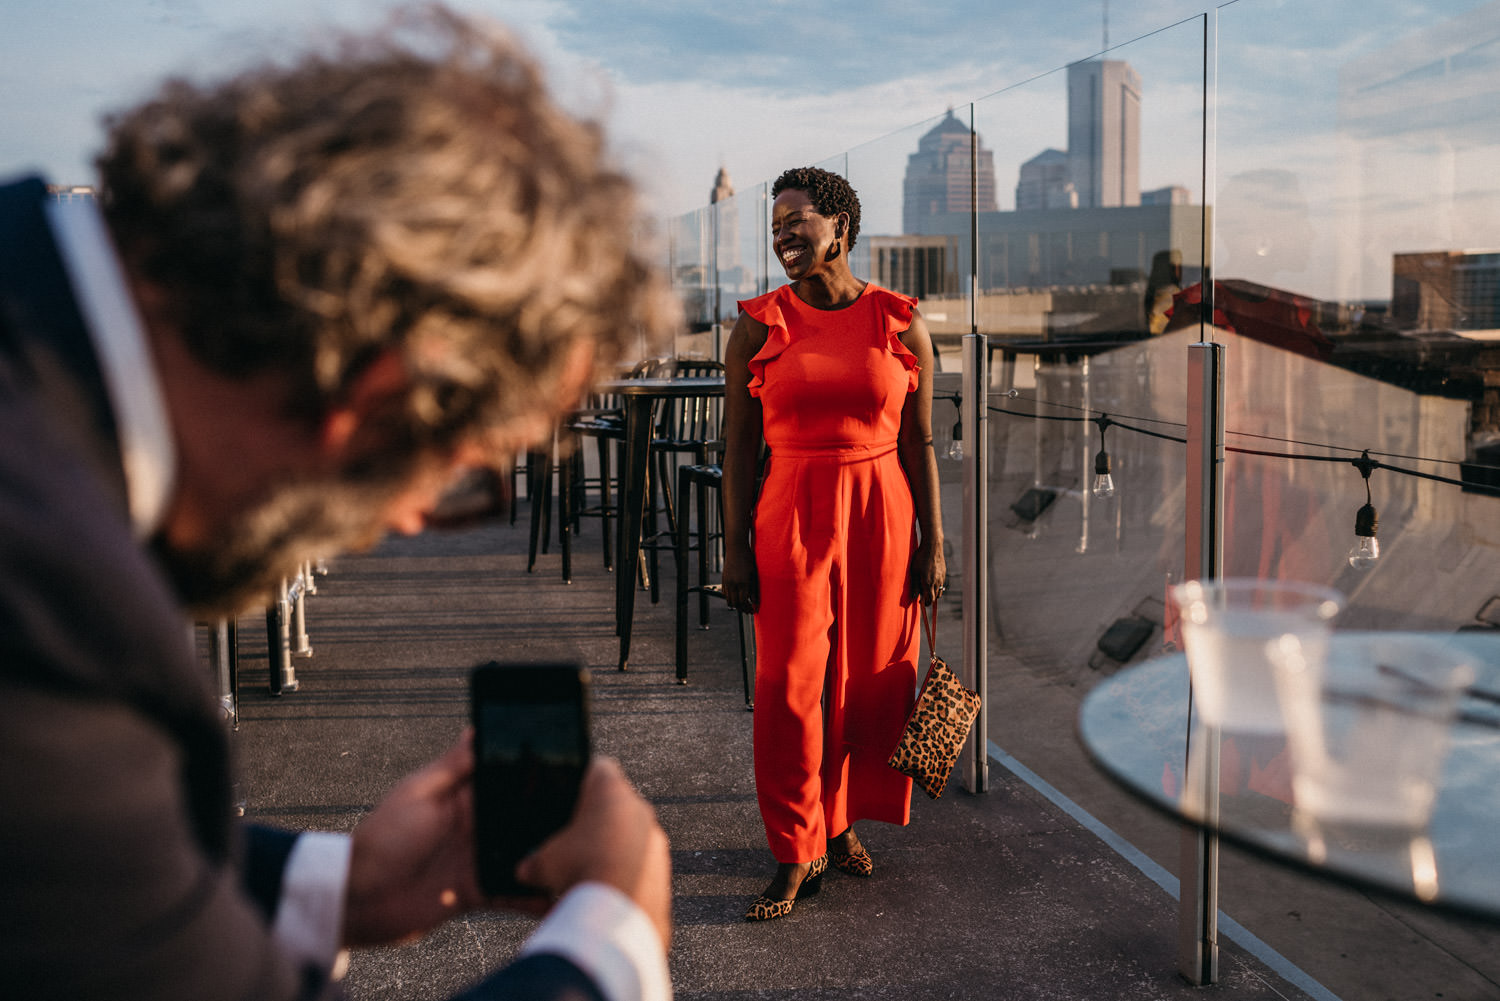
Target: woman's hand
x=740 y=581
x=929 y=573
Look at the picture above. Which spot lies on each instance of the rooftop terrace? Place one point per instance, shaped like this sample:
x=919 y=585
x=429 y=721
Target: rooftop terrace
x=1055 y=888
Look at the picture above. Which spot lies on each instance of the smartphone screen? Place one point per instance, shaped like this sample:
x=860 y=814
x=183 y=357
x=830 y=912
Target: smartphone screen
x=531 y=745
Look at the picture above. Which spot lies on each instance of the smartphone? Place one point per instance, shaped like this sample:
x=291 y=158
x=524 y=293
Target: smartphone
x=531 y=748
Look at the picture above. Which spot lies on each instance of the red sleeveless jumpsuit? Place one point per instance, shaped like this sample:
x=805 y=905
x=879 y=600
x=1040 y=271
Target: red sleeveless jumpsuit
x=835 y=531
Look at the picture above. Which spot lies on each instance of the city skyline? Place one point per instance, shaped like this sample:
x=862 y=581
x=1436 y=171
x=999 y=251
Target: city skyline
x=686 y=90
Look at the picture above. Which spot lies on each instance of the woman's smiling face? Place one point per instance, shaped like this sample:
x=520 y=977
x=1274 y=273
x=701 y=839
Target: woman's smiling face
x=800 y=234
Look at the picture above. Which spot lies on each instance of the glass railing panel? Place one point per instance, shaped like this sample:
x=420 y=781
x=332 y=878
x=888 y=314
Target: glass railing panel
x=1357 y=289
x=915 y=194
x=756 y=236
x=744 y=235
x=742 y=255
x=890 y=174
x=838 y=163
x=690 y=250
x=1355 y=203
x=1098 y=221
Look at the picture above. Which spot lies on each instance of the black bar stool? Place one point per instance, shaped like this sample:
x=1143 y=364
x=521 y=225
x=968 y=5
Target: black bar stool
x=696 y=481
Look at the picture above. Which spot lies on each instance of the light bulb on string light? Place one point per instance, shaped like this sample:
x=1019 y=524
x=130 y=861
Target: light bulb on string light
x=956 y=441
x=956 y=445
x=1366 y=550
x=1104 y=483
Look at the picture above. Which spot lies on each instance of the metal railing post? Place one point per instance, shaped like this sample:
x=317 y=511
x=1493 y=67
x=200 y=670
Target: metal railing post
x=1198 y=897
x=301 y=642
x=223 y=654
x=975 y=761
x=279 y=640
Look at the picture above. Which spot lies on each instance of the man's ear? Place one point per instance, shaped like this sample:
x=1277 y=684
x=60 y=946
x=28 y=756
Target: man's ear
x=372 y=390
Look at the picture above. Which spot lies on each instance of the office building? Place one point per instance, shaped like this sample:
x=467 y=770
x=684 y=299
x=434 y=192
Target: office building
x=1104 y=133
x=1046 y=182
x=948 y=173
x=1456 y=290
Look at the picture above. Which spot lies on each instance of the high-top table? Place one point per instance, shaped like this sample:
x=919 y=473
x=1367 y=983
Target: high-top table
x=640 y=397
x=1135 y=725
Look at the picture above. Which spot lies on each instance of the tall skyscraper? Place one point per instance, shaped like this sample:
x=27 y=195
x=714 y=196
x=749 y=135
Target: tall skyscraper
x=1104 y=133
x=938 y=176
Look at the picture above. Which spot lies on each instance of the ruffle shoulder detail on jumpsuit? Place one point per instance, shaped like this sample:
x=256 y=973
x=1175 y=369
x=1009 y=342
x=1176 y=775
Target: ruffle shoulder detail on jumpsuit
x=769 y=309
x=898 y=310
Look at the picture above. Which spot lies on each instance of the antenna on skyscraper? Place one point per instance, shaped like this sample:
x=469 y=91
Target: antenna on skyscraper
x=1106 y=26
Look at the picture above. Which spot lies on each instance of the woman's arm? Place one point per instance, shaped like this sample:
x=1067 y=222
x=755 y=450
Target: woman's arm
x=742 y=441
x=914 y=446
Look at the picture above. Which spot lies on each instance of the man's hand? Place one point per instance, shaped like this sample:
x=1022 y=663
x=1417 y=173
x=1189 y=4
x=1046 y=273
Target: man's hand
x=411 y=866
x=613 y=838
x=412 y=863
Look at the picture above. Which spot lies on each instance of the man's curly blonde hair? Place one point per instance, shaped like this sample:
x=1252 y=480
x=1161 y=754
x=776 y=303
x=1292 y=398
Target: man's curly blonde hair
x=415 y=190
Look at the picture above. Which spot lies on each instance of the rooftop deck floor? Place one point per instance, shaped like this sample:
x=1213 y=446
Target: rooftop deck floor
x=1005 y=895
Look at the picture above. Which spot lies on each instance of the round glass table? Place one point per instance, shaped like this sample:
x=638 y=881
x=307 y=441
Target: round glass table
x=1136 y=727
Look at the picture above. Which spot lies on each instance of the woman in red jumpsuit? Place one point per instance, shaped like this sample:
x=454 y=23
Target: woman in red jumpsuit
x=835 y=541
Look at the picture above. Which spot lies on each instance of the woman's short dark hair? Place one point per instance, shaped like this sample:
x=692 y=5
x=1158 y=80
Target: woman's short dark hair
x=829 y=193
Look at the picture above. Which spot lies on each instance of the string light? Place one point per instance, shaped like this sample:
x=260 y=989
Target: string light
x=1366 y=521
x=1104 y=483
x=1470 y=485
x=1366 y=550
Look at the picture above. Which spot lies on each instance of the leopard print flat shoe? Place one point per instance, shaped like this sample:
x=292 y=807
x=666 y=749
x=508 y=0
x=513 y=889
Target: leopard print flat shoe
x=769 y=909
x=855 y=863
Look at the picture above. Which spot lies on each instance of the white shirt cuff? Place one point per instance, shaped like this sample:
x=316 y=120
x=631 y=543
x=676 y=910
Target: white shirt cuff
x=309 y=923
x=605 y=934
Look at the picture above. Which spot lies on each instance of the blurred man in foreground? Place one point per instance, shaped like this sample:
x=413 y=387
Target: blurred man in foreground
x=318 y=295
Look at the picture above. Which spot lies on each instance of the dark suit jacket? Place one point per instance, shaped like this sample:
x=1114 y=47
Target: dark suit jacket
x=122 y=874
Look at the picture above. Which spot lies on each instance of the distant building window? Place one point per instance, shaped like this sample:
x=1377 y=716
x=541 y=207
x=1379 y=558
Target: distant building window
x=70 y=192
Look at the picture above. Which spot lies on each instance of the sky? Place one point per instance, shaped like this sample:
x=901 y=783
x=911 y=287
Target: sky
x=686 y=87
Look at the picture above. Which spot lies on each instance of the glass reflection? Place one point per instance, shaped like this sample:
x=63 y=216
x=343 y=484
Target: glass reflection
x=1350 y=192
x=691 y=254
x=1345 y=210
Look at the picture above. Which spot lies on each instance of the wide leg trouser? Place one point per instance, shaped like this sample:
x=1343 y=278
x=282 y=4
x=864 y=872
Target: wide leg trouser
x=836 y=645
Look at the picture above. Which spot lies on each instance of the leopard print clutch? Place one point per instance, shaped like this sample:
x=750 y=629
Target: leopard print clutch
x=937 y=727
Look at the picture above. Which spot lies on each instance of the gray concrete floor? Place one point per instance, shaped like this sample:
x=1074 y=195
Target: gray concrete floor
x=1002 y=895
